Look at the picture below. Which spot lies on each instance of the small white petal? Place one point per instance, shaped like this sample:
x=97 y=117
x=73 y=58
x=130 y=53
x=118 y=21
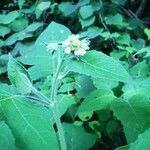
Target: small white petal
x=67 y=50
x=85 y=44
x=66 y=43
x=80 y=52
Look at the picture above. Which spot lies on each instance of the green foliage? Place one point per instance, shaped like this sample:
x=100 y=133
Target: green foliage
x=56 y=33
x=97 y=100
x=58 y=92
x=99 y=65
x=24 y=117
x=6 y=139
x=76 y=134
x=142 y=142
x=133 y=113
x=8 y=18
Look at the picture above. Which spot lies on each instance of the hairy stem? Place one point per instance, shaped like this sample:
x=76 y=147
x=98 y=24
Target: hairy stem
x=56 y=117
x=55 y=81
x=60 y=130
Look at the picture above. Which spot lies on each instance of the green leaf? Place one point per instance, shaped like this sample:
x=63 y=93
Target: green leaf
x=21 y=3
x=100 y=83
x=31 y=124
x=67 y=8
x=4 y=31
x=23 y=84
x=142 y=142
x=1 y=43
x=99 y=65
x=7 y=141
x=41 y=7
x=39 y=57
x=141 y=85
x=85 y=116
x=13 y=68
x=115 y=20
x=64 y=102
x=91 y=32
x=124 y=39
x=19 y=76
x=33 y=27
x=77 y=138
x=138 y=44
x=133 y=114
x=8 y=18
x=147 y=32
x=97 y=100
x=84 y=86
x=87 y=22
x=86 y=11
x=18 y=24
x=17 y=37
x=141 y=69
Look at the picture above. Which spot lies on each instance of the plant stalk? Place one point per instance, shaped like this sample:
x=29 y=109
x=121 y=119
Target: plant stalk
x=56 y=117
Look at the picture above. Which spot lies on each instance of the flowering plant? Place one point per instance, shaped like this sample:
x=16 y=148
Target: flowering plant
x=79 y=84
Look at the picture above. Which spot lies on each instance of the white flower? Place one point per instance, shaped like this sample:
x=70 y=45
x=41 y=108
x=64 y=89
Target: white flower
x=73 y=45
x=67 y=50
x=52 y=46
x=85 y=44
x=80 y=52
x=66 y=43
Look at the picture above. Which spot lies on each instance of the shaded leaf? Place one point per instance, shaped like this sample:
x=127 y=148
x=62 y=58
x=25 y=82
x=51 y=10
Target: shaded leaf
x=77 y=138
x=7 y=141
x=8 y=18
x=133 y=114
x=97 y=100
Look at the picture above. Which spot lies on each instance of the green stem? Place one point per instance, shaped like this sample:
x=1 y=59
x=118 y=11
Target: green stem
x=55 y=80
x=56 y=117
x=60 y=130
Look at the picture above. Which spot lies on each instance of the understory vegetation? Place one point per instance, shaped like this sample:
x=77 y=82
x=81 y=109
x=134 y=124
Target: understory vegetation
x=74 y=75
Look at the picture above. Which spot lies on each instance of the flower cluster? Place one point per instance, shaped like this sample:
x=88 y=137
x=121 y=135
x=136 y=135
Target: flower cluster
x=72 y=45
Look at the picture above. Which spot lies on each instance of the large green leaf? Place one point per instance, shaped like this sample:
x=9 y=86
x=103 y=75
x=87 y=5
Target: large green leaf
x=99 y=65
x=143 y=141
x=39 y=57
x=77 y=138
x=97 y=100
x=133 y=114
x=7 y=141
x=30 y=123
